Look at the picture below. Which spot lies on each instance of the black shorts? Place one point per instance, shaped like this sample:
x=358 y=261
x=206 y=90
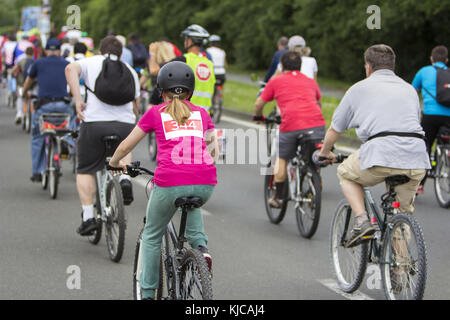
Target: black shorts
x=91 y=150
x=288 y=141
x=220 y=79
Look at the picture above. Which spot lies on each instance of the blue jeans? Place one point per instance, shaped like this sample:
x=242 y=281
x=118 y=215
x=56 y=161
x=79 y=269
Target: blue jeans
x=38 y=140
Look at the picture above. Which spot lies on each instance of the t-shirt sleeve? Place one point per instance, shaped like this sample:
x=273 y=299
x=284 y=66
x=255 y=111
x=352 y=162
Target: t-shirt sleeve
x=343 y=114
x=33 y=70
x=417 y=82
x=269 y=92
x=315 y=67
x=148 y=120
x=209 y=123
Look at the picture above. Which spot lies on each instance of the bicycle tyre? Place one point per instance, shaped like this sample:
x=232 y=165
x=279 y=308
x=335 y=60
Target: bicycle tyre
x=275 y=215
x=96 y=237
x=44 y=182
x=25 y=116
x=116 y=220
x=216 y=109
x=167 y=270
x=314 y=192
x=441 y=181
x=418 y=268
x=348 y=280
x=54 y=170
x=28 y=118
x=137 y=269
x=194 y=262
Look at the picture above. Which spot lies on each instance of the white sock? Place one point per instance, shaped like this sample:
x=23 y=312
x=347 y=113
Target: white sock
x=88 y=212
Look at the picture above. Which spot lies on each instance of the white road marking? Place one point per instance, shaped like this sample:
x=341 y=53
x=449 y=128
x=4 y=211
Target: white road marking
x=242 y=122
x=333 y=286
x=143 y=183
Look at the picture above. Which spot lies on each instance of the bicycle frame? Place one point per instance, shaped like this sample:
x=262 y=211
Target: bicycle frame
x=103 y=178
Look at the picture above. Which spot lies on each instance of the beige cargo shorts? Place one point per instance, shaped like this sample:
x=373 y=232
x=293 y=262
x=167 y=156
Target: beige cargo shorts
x=350 y=170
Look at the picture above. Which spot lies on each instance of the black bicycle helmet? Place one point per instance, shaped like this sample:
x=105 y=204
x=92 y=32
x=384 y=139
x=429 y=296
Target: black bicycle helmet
x=174 y=75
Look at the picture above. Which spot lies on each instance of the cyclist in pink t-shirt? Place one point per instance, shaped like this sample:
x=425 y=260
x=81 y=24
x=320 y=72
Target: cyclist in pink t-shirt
x=185 y=166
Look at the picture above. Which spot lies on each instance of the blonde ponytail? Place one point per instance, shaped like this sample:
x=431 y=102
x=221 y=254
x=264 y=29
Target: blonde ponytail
x=178 y=110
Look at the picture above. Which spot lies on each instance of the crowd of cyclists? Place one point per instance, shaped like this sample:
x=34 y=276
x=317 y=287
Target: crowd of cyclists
x=101 y=90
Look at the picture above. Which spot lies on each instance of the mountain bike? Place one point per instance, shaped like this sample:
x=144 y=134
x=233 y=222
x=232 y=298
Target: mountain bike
x=397 y=247
x=53 y=126
x=109 y=207
x=441 y=168
x=184 y=273
x=304 y=185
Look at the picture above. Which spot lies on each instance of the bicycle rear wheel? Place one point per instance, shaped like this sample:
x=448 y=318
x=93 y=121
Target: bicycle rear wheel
x=307 y=212
x=275 y=215
x=195 y=278
x=349 y=264
x=115 y=220
x=54 y=169
x=404 y=272
x=27 y=120
x=442 y=180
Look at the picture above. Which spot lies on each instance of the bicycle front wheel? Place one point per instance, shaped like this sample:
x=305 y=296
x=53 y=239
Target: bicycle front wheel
x=115 y=220
x=349 y=263
x=442 y=180
x=275 y=215
x=195 y=278
x=404 y=268
x=96 y=236
x=307 y=211
x=137 y=271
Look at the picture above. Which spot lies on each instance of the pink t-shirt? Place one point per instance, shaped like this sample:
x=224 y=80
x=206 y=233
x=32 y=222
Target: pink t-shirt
x=183 y=157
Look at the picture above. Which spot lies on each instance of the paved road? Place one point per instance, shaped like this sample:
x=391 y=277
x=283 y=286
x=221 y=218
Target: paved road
x=253 y=259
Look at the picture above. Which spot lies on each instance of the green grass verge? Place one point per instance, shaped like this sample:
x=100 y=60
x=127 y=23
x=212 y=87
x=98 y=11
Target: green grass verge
x=241 y=97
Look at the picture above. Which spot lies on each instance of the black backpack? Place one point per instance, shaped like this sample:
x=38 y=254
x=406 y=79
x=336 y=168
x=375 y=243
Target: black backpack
x=442 y=87
x=140 y=54
x=115 y=85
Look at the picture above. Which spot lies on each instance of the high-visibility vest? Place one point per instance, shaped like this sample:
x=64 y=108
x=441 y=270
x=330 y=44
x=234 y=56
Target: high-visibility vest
x=205 y=79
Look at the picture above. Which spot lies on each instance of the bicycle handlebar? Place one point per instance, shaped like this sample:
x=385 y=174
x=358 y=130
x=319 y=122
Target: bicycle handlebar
x=276 y=119
x=339 y=158
x=133 y=170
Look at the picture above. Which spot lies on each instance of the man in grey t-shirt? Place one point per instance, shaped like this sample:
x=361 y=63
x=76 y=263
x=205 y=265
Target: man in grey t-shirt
x=381 y=104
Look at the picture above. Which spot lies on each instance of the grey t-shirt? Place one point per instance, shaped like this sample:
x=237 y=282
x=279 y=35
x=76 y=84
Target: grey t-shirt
x=384 y=102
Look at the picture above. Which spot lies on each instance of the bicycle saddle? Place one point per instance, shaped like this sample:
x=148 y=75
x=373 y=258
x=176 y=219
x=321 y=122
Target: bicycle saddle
x=189 y=202
x=397 y=180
